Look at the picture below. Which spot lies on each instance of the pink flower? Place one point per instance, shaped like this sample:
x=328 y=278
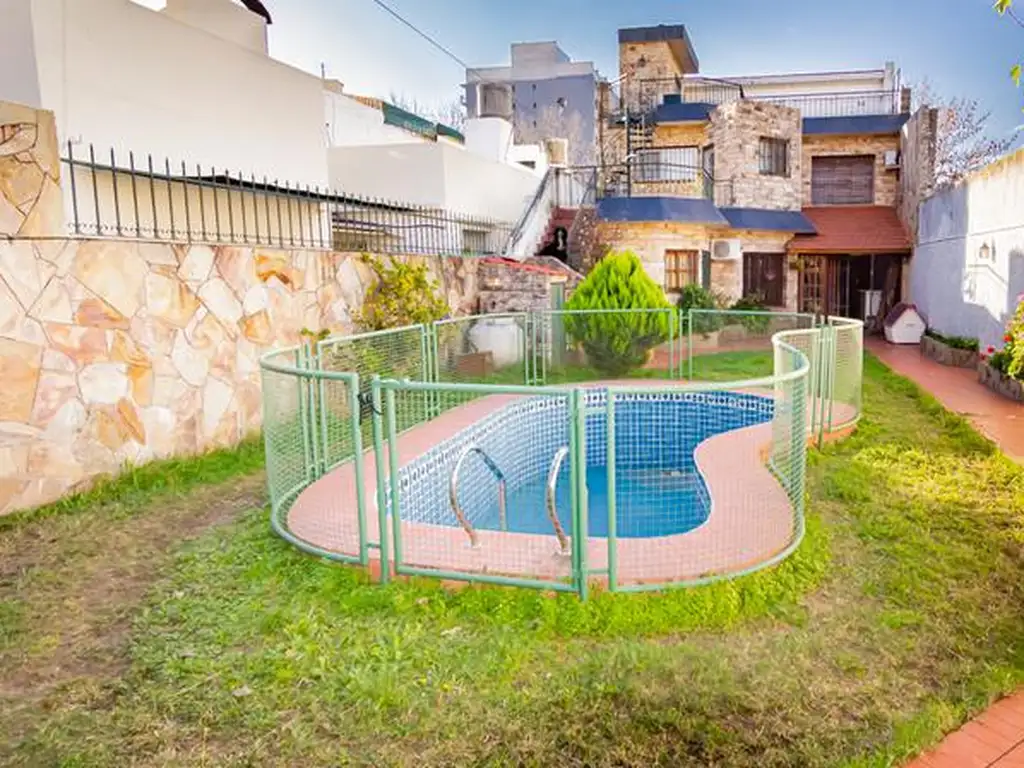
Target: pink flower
x=990 y=350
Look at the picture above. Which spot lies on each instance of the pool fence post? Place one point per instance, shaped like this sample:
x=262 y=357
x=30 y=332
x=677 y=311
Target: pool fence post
x=396 y=520
x=613 y=544
x=378 y=459
x=689 y=344
x=671 y=344
x=356 y=419
x=579 y=452
x=307 y=456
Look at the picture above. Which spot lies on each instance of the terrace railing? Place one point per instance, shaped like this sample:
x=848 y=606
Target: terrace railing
x=647 y=95
x=140 y=197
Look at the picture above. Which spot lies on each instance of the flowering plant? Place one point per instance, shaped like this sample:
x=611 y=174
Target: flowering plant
x=1014 y=341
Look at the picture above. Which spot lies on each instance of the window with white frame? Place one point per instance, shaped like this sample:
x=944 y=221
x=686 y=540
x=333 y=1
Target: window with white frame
x=667 y=164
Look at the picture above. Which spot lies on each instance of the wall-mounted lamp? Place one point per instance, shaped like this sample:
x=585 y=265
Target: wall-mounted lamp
x=985 y=252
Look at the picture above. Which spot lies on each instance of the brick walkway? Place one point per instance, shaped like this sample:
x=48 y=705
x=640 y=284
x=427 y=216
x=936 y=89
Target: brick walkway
x=999 y=419
x=996 y=737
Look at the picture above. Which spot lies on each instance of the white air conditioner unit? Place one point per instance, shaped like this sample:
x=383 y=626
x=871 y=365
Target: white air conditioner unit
x=892 y=158
x=726 y=250
x=557 y=151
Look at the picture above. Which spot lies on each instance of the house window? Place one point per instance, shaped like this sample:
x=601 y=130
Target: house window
x=667 y=164
x=773 y=156
x=682 y=268
x=846 y=180
x=764 y=277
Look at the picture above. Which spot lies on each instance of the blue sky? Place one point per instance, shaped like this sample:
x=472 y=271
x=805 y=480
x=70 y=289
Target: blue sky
x=962 y=46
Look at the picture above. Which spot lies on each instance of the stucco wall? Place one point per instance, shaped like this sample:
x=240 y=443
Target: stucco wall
x=119 y=75
x=436 y=175
x=968 y=266
x=115 y=351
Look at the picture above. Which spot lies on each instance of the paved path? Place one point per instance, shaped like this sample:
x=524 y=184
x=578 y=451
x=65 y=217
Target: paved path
x=999 y=419
x=996 y=738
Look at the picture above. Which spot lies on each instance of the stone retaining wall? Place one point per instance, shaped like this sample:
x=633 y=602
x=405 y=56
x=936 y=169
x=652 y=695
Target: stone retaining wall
x=1000 y=383
x=116 y=351
x=947 y=355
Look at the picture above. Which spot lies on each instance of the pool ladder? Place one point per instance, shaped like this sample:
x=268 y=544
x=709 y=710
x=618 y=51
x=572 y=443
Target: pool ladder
x=552 y=505
x=551 y=501
x=453 y=493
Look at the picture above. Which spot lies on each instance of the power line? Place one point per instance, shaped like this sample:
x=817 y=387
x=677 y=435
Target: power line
x=422 y=34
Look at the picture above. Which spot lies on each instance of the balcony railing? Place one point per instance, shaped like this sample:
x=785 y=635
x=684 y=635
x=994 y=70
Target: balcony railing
x=647 y=95
x=645 y=177
x=848 y=104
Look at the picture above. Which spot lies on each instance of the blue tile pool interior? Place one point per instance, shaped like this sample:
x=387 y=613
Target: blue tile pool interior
x=658 y=489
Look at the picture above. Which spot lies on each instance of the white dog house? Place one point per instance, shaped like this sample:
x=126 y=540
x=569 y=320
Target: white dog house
x=904 y=325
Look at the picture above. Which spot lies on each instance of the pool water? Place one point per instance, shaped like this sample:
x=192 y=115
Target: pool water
x=658 y=490
x=648 y=503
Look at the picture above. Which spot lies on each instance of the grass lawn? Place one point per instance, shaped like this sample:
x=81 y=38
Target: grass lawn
x=166 y=625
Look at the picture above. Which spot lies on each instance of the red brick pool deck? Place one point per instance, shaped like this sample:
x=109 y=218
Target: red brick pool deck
x=996 y=737
x=751 y=520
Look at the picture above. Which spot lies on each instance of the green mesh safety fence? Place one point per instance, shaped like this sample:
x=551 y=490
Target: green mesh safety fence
x=728 y=344
x=558 y=449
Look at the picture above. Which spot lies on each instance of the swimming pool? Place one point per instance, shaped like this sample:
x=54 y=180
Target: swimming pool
x=658 y=488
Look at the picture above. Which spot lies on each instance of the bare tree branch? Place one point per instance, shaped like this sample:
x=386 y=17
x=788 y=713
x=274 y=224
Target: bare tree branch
x=962 y=142
x=450 y=112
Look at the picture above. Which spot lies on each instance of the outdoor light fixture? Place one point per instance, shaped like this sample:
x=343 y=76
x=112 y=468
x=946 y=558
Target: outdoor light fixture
x=985 y=252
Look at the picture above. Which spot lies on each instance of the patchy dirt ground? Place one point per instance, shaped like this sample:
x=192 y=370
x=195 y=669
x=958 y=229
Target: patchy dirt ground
x=70 y=586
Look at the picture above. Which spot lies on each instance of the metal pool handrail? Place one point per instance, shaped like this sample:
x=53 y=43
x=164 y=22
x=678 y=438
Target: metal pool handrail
x=453 y=491
x=556 y=465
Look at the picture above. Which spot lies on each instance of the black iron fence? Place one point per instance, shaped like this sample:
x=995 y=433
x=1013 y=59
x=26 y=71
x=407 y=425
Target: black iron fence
x=647 y=174
x=139 y=197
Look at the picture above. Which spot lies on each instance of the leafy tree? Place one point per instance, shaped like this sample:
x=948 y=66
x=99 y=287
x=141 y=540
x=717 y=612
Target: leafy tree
x=1005 y=8
x=616 y=342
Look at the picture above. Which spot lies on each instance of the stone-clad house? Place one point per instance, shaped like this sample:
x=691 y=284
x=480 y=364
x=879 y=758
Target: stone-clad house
x=801 y=189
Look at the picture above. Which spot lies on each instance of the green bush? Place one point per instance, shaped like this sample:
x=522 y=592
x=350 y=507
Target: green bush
x=754 y=323
x=1000 y=361
x=1013 y=341
x=617 y=342
x=697 y=297
x=403 y=295
x=956 y=342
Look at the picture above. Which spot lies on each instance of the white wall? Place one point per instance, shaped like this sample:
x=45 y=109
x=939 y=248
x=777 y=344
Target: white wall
x=117 y=74
x=19 y=77
x=960 y=287
x=222 y=18
x=412 y=173
x=496 y=190
x=436 y=175
x=351 y=123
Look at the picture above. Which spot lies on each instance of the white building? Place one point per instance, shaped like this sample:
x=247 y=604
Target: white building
x=194 y=84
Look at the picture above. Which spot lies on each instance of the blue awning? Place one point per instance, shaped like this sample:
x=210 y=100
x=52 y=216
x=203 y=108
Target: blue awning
x=693 y=210
x=771 y=221
x=674 y=111
x=878 y=125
